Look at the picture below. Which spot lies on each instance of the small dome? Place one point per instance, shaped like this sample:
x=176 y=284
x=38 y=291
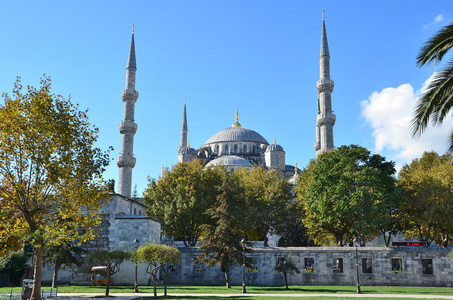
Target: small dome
x=274 y=147
x=188 y=150
x=237 y=134
x=229 y=161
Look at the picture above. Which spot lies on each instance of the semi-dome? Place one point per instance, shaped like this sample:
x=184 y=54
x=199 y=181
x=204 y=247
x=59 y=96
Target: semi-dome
x=274 y=147
x=188 y=150
x=237 y=134
x=229 y=161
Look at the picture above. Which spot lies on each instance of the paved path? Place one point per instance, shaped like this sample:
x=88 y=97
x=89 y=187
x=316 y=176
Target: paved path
x=130 y=296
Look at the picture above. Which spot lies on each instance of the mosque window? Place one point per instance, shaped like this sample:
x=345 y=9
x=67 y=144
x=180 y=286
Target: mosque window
x=226 y=149
x=235 y=148
x=139 y=212
x=244 y=149
x=427 y=266
x=396 y=266
x=135 y=211
x=367 y=266
x=337 y=265
x=216 y=149
x=309 y=265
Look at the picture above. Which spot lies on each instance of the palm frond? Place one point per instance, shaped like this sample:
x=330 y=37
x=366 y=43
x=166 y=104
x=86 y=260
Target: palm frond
x=434 y=105
x=435 y=48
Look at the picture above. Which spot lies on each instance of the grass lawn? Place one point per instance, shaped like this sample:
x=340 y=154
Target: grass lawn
x=258 y=290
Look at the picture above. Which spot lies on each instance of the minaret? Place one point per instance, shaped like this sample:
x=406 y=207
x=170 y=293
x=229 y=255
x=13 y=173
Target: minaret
x=325 y=119
x=184 y=130
x=126 y=160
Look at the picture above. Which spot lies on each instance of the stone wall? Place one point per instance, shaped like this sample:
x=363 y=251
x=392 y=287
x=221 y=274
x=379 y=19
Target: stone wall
x=327 y=266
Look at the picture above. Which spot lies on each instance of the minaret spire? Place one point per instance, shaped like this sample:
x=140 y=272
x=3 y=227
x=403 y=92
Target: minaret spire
x=184 y=129
x=325 y=119
x=126 y=160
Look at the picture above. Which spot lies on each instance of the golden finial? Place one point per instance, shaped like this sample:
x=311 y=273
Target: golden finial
x=184 y=99
x=188 y=144
x=237 y=124
x=295 y=169
x=275 y=141
x=133 y=27
x=323 y=14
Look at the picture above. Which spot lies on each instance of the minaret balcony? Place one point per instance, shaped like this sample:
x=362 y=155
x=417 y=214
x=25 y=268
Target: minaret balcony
x=325 y=119
x=128 y=127
x=125 y=161
x=129 y=95
x=325 y=85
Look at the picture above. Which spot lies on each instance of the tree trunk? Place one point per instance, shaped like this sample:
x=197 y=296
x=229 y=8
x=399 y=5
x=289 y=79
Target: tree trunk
x=227 y=278
x=107 y=288
x=55 y=274
x=286 y=279
x=36 y=291
x=154 y=284
x=165 y=280
x=266 y=241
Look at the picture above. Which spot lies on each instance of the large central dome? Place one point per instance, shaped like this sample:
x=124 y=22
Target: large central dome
x=236 y=134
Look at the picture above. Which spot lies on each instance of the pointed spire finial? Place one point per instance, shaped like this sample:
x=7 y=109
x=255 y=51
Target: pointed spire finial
x=188 y=144
x=323 y=15
x=295 y=169
x=275 y=141
x=184 y=99
x=237 y=124
x=133 y=27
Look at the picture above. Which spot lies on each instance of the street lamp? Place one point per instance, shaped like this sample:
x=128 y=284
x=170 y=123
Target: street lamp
x=357 y=267
x=136 y=284
x=243 y=241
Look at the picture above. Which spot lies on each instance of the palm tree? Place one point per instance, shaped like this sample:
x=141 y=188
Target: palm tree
x=434 y=105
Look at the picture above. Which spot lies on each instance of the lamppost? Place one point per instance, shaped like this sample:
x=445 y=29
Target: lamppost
x=357 y=267
x=136 y=284
x=243 y=241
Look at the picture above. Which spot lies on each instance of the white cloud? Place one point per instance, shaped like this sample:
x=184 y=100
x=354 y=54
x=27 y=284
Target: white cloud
x=436 y=20
x=389 y=113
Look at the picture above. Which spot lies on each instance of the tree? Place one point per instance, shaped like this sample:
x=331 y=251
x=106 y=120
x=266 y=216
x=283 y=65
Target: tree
x=221 y=243
x=268 y=197
x=436 y=102
x=15 y=265
x=428 y=206
x=157 y=257
x=180 y=198
x=287 y=266
x=50 y=172
x=111 y=260
x=348 y=194
x=64 y=255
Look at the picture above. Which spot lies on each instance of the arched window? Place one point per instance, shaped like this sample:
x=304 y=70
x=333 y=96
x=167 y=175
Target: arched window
x=235 y=148
x=216 y=149
x=139 y=212
x=244 y=149
x=226 y=149
x=135 y=211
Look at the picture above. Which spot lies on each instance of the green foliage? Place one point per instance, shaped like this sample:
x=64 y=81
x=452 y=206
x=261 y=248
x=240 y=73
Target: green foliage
x=64 y=255
x=15 y=264
x=428 y=208
x=267 y=196
x=50 y=172
x=157 y=257
x=221 y=242
x=287 y=266
x=112 y=260
x=180 y=198
x=436 y=102
x=348 y=193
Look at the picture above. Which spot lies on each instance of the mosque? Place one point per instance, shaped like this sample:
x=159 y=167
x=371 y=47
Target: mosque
x=234 y=147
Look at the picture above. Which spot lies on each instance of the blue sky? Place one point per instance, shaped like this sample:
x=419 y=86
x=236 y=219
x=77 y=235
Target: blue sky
x=262 y=56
